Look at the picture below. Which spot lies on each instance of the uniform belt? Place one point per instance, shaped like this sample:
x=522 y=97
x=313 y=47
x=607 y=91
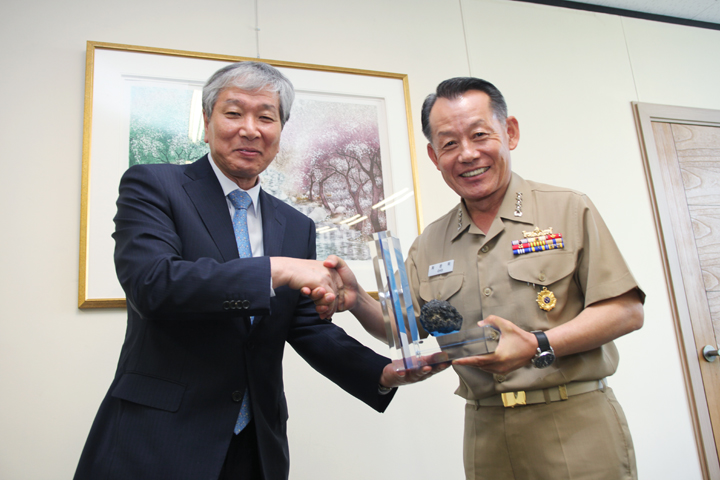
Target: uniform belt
x=546 y=395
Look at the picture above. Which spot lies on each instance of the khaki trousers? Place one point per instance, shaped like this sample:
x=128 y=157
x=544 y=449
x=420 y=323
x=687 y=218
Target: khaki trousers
x=584 y=437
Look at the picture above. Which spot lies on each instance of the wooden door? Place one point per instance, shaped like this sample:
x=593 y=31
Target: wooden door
x=681 y=148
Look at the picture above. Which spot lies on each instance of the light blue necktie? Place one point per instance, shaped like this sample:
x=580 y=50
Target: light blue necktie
x=241 y=201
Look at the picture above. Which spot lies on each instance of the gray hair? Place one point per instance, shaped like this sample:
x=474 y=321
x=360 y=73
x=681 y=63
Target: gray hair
x=249 y=76
x=455 y=87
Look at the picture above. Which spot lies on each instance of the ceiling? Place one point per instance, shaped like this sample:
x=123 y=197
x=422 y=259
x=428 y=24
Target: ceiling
x=695 y=10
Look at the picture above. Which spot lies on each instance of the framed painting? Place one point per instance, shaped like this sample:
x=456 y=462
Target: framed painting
x=346 y=159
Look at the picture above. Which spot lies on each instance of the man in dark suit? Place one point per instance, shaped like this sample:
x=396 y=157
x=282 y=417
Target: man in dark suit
x=206 y=327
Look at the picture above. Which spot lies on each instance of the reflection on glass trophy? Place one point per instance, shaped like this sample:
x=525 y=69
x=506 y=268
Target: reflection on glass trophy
x=410 y=347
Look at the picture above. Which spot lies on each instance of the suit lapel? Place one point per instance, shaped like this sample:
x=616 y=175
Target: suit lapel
x=206 y=194
x=273 y=232
x=273 y=225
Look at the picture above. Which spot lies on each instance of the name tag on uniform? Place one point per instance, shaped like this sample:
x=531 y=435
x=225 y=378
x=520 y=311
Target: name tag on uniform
x=440 y=268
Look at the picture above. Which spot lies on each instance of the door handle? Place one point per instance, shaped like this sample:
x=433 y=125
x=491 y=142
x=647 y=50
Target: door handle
x=710 y=353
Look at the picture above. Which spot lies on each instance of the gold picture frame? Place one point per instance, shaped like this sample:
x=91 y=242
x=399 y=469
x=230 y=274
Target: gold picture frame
x=112 y=70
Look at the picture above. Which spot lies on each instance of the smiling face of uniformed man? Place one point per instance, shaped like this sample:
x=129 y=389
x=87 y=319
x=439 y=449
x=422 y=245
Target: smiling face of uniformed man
x=471 y=148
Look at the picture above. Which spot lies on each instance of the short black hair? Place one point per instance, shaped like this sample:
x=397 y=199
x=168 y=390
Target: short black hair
x=455 y=87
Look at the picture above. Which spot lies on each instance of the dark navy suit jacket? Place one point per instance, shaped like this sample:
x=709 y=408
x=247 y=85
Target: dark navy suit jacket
x=189 y=351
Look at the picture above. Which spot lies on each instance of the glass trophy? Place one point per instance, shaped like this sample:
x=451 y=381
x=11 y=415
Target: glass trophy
x=445 y=336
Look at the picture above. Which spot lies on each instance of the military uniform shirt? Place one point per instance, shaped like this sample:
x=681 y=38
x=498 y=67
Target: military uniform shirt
x=487 y=279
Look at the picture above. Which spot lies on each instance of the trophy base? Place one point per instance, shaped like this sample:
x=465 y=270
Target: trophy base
x=434 y=350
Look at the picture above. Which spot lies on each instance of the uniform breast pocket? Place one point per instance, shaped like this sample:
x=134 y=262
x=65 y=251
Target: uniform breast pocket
x=442 y=287
x=543 y=268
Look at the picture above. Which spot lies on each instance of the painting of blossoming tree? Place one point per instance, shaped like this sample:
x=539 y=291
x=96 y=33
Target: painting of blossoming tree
x=330 y=163
x=329 y=166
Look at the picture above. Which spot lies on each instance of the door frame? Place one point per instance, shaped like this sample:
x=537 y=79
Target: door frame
x=690 y=355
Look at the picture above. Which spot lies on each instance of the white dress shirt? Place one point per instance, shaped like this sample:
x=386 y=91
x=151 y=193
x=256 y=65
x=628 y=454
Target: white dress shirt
x=254 y=213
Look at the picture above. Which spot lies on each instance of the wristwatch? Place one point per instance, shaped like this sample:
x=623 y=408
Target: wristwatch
x=545 y=355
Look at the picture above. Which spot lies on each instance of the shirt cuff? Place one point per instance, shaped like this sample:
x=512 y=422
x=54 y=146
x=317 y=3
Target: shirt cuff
x=384 y=390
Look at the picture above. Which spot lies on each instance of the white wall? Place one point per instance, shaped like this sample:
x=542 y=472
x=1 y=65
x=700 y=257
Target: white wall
x=568 y=76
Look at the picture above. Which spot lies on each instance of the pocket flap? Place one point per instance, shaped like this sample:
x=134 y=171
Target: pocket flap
x=544 y=268
x=441 y=287
x=149 y=391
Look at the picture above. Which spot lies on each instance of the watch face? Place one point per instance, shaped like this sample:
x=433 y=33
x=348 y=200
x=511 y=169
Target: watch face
x=544 y=359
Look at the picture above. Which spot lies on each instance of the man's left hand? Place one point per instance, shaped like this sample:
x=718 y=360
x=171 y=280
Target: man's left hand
x=516 y=348
x=392 y=378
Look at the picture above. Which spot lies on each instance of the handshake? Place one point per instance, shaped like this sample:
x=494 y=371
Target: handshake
x=330 y=284
x=333 y=287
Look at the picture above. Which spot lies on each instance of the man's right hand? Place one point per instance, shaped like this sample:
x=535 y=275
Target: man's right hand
x=350 y=290
x=308 y=276
x=346 y=296
x=350 y=297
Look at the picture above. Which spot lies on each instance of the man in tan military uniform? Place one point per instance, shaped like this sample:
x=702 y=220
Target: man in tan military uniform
x=539 y=406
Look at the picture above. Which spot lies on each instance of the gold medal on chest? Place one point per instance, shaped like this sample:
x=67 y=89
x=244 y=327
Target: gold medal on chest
x=546 y=299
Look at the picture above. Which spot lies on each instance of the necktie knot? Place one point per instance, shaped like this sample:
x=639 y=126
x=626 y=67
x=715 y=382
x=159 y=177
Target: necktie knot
x=240 y=199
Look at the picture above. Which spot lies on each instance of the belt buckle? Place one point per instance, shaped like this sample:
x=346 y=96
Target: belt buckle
x=510 y=399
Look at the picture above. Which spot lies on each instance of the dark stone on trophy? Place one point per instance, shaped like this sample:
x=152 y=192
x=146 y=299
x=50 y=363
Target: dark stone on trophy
x=439 y=317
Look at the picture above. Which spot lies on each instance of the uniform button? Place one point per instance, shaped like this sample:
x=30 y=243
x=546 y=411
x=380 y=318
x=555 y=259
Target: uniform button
x=246 y=304
x=485 y=249
x=226 y=305
x=237 y=396
x=542 y=277
x=487 y=291
x=499 y=378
